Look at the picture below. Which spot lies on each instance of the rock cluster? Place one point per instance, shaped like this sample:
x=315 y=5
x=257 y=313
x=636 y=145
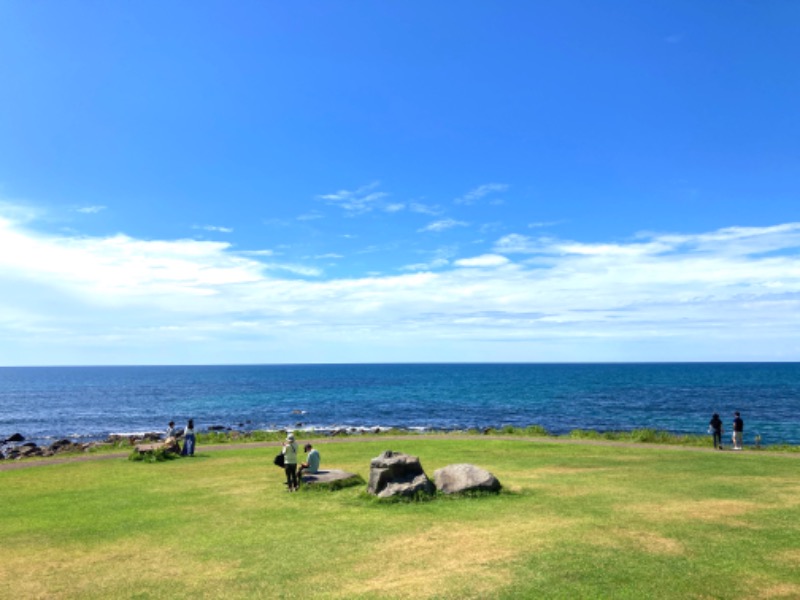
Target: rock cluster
x=30 y=449
x=399 y=474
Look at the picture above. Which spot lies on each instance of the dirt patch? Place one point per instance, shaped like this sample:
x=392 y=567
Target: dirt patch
x=422 y=564
x=53 y=573
x=780 y=590
x=647 y=542
x=698 y=510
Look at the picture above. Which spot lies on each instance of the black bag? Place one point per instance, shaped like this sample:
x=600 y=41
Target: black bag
x=279 y=460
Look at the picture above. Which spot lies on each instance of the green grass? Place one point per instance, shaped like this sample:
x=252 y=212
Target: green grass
x=574 y=520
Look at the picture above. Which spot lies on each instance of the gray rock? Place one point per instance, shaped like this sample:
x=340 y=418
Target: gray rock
x=457 y=479
x=16 y=437
x=332 y=478
x=397 y=474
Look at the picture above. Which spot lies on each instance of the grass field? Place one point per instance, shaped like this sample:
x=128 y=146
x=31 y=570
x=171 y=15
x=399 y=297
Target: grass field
x=575 y=520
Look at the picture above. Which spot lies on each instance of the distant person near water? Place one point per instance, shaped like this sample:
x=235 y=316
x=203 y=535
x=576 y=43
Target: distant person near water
x=312 y=462
x=188 y=436
x=738 y=431
x=715 y=428
x=171 y=431
x=290 y=462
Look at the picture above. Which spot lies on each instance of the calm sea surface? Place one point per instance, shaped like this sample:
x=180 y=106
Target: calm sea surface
x=44 y=403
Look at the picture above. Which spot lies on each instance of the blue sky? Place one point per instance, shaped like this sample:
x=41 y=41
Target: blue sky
x=376 y=181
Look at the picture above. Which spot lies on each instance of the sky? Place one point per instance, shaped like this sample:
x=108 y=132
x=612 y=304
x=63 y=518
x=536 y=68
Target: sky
x=266 y=182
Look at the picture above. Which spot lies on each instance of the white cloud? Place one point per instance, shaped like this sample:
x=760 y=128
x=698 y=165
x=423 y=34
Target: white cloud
x=329 y=255
x=730 y=294
x=424 y=209
x=215 y=228
x=481 y=191
x=355 y=202
x=310 y=216
x=437 y=263
x=485 y=260
x=442 y=225
x=90 y=210
x=397 y=207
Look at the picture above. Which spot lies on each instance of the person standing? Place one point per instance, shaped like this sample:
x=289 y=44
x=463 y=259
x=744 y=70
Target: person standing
x=738 y=431
x=715 y=427
x=189 y=439
x=290 y=462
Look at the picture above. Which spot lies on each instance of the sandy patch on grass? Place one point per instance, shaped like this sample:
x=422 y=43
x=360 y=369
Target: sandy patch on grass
x=422 y=564
x=697 y=510
x=642 y=541
x=566 y=470
x=779 y=590
x=137 y=566
x=790 y=557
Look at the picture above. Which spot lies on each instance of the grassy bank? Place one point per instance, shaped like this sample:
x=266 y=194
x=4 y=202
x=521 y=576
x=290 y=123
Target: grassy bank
x=574 y=521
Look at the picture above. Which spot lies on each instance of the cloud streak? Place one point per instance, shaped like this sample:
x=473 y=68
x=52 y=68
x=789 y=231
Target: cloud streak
x=357 y=201
x=718 y=295
x=482 y=191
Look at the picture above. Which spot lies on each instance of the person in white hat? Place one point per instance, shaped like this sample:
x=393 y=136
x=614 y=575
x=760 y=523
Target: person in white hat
x=290 y=462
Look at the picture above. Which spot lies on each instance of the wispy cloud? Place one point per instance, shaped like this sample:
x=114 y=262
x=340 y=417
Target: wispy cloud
x=442 y=225
x=485 y=260
x=437 y=263
x=356 y=201
x=215 y=228
x=482 y=191
x=310 y=216
x=90 y=210
x=728 y=294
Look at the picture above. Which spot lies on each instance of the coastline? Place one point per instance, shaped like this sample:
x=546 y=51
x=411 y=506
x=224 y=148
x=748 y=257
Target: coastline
x=213 y=442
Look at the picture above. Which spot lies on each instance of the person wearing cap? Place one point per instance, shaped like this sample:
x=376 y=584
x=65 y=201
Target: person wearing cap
x=290 y=462
x=738 y=431
x=312 y=462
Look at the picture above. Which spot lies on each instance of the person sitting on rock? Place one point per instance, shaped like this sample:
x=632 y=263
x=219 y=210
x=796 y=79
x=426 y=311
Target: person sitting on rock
x=312 y=461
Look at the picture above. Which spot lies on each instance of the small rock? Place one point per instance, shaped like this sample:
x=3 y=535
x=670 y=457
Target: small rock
x=16 y=437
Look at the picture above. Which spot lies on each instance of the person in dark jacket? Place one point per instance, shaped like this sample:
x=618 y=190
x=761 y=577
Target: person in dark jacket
x=715 y=428
x=738 y=431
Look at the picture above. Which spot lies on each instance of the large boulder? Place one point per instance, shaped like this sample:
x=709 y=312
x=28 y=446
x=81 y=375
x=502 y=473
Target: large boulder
x=457 y=479
x=397 y=474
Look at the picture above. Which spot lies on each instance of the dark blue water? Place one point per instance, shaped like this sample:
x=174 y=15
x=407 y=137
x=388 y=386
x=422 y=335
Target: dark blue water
x=44 y=403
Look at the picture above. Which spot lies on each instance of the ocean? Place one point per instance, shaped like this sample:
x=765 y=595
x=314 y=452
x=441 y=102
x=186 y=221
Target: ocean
x=89 y=403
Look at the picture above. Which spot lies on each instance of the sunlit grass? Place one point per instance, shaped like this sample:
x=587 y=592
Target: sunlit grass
x=573 y=521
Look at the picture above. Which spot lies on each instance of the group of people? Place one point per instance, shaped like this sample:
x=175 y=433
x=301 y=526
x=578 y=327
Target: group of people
x=294 y=472
x=294 y=475
x=188 y=437
x=715 y=429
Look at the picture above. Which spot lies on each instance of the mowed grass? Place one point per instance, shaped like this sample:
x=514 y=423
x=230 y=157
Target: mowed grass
x=574 y=521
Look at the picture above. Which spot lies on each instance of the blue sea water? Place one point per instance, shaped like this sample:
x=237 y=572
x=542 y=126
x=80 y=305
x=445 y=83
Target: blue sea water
x=45 y=403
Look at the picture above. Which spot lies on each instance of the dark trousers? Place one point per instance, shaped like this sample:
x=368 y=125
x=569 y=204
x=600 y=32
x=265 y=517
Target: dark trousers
x=291 y=475
x=717 y=439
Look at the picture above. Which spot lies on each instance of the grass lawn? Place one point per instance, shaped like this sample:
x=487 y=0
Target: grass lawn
x=574 y=521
